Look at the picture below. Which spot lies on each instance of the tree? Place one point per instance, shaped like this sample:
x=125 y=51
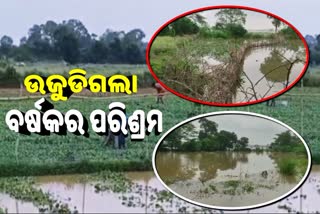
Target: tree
x=242 y=143
x=67 y=45
x=184 y=26
x=231 y=16
x=199 y=19
x=6 y=44
x=286 y=138
x=207 y=128
x=226 y=139
x=236 y=30
x=275 y=22
x=180 y=135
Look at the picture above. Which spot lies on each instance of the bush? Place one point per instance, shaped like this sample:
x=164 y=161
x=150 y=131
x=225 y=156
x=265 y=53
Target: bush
x=311 y=80
x=236 y=30
x=206 y=32
x=288 y=32
x=184 y=26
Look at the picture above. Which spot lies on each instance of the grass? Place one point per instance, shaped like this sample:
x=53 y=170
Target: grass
x=287 y=167
x=248 y=187
x=232 y=183
x=56 y=67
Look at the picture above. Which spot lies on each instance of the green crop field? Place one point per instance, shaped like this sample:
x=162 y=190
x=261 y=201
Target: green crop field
x=36 y=155
x=55 y=67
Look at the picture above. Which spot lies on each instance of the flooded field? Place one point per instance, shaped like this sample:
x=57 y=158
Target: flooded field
x=226 y=178
x=269 y=71
x=147 y=195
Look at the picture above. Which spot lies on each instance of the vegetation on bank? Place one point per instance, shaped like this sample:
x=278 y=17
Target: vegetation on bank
x=205 y=62
x=287 y=142
x=208 y=138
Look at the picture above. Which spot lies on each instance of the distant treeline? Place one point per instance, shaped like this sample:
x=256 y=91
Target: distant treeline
x=188 y=138
x=314 y=48
x=70 y=41
x=208 y=138
x=230 y=24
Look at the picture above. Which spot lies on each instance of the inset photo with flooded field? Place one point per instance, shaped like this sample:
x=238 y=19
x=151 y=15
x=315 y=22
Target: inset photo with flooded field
x=232 y=160
x=227 y=56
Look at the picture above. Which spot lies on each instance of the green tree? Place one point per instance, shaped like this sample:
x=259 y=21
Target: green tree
x=236 y=30
x=242 y=143
x=179 y=136
x=67 y=45
x=226 y=139
x=275 y=22
x=230 y=16
x=184 y=26
x=207 y=128
x=6 y=44
x=286 y=138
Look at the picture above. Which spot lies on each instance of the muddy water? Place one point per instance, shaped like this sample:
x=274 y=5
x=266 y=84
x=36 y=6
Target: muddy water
x=267 y=62
x=226 y=178
x=82 y=195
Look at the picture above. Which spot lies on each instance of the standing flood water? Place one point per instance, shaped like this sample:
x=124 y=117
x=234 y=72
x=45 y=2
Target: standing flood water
x=225 y=178
x=83 y=196
x=269 y=72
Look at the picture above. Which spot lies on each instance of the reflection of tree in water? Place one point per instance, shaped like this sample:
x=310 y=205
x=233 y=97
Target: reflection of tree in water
x=181 y=166
x=275 y=67
x=241 y=156
x=210 y=163
x=171 y=168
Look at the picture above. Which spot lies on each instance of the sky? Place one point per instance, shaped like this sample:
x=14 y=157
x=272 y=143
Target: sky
x=254 y=21
x=260 y=131
x=17 y=16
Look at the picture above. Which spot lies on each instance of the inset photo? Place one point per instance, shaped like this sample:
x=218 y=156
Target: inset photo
x=232 y=160
x=227 y=55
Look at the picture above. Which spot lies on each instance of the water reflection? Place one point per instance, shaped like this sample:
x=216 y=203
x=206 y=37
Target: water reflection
x=224 y=178
x=270 y=69
x=303 y=201
x=208 y=165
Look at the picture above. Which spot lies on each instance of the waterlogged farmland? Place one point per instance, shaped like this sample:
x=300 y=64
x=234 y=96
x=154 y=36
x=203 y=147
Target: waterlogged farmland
x=226 y=178
x=139 y=192
x=213 y=56
x=70 y=154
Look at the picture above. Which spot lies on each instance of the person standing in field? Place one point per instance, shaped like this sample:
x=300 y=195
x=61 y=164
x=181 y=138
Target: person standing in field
x=160 y=91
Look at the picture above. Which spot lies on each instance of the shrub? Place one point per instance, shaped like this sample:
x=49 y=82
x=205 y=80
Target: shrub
x=236 y=30
x=184 y=26
x=289 y=33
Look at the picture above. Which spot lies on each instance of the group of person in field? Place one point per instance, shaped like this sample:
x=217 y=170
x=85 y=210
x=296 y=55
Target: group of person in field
x=119 y=141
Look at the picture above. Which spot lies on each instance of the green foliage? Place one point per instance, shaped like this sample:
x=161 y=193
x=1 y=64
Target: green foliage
x=231 y=16
x=248 y=187
x=236 y=30
x=8 y=75
x=287 y=142
x=288 y=32
x=232 y=183
x=70 y=41
x=206 y=32
x=207 y=127
x=184 y=26
x=22 y=188
x=275 y=22
x=287 y=167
